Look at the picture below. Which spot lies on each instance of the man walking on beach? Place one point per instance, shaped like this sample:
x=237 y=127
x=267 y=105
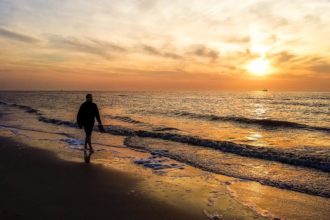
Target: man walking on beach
x=86 y=118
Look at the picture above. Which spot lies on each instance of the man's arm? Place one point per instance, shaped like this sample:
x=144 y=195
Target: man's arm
x=97 y=115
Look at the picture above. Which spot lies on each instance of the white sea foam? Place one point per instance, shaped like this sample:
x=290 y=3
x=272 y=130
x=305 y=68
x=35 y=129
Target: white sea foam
x=74 y=143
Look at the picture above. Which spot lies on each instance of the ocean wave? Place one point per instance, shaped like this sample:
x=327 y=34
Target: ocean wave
x=317 y=105
x=27 y=109
x=316 y=158
x=125 y=119
x=297 y=156
x=165 y=129
x=267 y=123
x=57 y=121
x=133 y=121
x=265 y=172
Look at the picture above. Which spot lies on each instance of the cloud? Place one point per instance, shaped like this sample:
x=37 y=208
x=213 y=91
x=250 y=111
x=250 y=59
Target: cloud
x=151 y=50
x=203 y=51
x=76 y=45
x=146 y=4
x=266 y=13
x=89 y=45
x=282 y=57
x=300 y=63
x=172 y=55
x=238 y=40
x=108 y=45
x=156 y=52
x=12 y=35
x=323 y=67
x=105 y=49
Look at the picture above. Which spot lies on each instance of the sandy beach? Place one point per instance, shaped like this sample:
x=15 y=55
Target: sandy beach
x=45 y=180
x=35 y=184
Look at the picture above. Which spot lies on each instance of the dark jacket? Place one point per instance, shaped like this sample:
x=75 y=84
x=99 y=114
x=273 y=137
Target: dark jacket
x=87 y=113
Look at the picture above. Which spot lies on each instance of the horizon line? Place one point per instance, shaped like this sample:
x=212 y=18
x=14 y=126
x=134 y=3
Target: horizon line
x=160 y=90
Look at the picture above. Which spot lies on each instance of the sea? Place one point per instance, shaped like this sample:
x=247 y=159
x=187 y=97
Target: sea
x=280 y=139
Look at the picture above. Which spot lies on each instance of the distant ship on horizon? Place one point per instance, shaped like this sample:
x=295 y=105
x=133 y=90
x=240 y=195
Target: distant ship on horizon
x=265 y=90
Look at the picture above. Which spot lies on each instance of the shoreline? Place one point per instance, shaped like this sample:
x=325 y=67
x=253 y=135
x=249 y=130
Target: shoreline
x=37 y=184
x=188 y=193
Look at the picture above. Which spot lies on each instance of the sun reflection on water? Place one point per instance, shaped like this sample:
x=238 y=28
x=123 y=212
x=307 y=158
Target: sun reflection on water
x=260 y=110
x=254 y=136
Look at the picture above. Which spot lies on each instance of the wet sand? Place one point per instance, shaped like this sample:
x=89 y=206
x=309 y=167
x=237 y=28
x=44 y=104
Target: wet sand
x=46 y=178
x=36 y=184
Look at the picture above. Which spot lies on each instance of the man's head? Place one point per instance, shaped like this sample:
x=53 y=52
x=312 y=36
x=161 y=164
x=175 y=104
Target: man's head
x=89 y=98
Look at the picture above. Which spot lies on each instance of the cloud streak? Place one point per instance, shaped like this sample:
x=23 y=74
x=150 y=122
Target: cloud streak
x=323 y=67
x=16 y=36
x=157 y=52
x=102 y=48
x=89 y=46
x=203 y=51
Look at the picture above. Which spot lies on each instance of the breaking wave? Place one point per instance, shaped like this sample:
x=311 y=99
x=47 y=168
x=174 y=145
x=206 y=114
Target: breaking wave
x=125 y=119
x=294 y=156
x=267 y=123
x=317 y=158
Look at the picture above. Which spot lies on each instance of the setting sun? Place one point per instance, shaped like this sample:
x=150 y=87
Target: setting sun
x=259 y=67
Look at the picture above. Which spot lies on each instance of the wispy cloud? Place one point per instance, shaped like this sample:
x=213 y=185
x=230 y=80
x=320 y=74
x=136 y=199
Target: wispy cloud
x=151 y=50
x=108 y=45
x=301 y=64
x=282 y=57
x=238 y=39
x=13 y=35
x=323 y=67
x=203 y=51
x=158 y=52
x=105 y=49
x=73 y=44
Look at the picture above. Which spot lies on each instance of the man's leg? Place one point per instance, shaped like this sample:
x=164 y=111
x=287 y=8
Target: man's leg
x=89 y=140
x=86 y=142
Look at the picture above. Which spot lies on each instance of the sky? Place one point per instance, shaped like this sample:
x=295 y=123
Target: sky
x=165 y=45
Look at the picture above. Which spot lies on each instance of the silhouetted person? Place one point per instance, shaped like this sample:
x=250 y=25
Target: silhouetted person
x=86 y=118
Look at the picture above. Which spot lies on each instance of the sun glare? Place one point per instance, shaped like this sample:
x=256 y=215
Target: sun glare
x=259 y=67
